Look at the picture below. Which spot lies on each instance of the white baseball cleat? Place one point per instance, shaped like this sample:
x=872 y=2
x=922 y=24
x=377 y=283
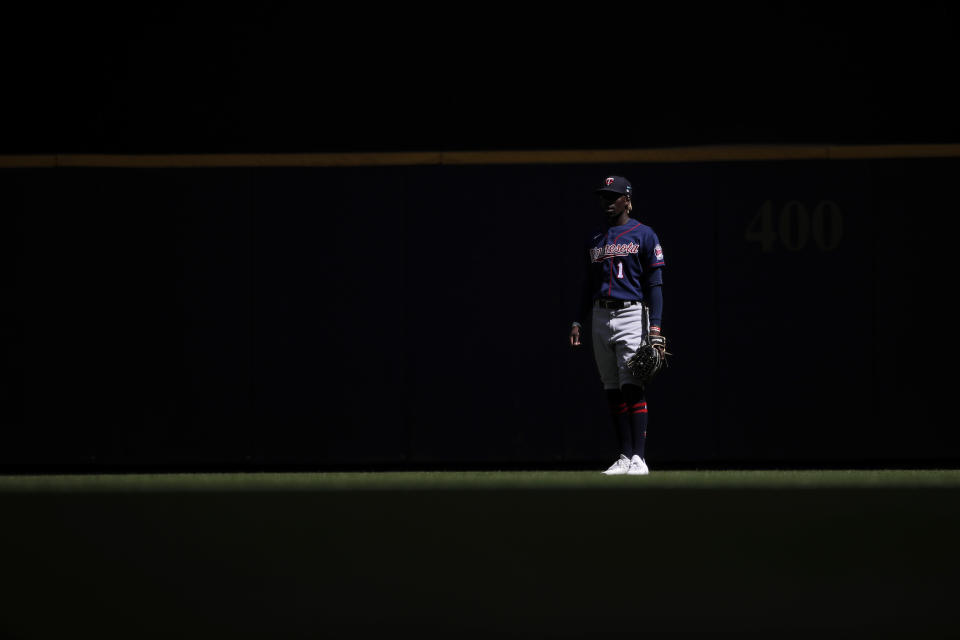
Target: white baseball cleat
x=620 y=467
x=638 y=467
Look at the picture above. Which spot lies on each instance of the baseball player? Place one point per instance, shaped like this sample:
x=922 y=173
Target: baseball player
x=622 y=297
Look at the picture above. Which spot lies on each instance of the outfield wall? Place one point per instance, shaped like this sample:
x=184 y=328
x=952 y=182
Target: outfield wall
x=413 y=309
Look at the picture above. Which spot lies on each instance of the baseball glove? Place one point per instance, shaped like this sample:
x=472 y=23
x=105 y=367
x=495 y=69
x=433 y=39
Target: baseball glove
x=649 y=359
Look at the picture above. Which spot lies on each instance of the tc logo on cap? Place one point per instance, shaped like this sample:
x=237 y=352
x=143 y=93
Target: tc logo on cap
x=608 y=181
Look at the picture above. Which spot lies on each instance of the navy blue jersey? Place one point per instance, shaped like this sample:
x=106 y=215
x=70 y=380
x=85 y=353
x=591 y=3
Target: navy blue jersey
x=624 y=262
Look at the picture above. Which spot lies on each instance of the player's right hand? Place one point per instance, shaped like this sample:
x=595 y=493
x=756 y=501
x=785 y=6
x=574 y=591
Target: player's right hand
x=575 y=336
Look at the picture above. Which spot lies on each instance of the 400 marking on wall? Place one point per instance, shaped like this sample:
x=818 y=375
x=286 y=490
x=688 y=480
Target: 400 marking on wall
x=795 y=228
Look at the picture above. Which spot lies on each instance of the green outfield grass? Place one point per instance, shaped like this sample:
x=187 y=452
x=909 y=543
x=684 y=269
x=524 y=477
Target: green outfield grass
x=465 y=480
x=481 y=554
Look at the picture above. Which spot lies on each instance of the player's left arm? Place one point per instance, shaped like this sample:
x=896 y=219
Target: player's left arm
x=653 y=294
x=653 y=289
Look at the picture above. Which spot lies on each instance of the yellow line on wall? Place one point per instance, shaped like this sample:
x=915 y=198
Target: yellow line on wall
x=719 y=153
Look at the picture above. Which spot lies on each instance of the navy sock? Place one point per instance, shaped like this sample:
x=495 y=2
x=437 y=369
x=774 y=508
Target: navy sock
x=636 y=403
x=620 y=416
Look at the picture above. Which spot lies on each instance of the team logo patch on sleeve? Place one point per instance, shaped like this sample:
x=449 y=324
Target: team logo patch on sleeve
x=658 y=253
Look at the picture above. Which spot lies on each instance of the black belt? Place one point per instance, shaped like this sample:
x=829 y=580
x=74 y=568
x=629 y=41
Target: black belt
x=612 y=303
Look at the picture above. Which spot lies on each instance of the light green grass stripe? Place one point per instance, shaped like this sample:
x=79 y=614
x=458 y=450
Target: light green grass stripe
x=460 y=480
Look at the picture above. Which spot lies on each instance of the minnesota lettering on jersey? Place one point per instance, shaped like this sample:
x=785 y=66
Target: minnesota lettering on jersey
x=612 y=251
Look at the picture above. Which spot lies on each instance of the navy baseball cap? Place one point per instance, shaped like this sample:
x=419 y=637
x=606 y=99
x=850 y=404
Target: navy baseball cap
x=616 y=184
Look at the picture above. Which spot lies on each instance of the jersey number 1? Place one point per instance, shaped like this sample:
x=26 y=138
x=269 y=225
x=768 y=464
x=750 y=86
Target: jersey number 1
x=619 y=269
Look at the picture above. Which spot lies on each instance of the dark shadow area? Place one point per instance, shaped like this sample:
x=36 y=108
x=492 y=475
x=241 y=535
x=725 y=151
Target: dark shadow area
x=256 y=318
x=522 y=563
x=416 y=316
